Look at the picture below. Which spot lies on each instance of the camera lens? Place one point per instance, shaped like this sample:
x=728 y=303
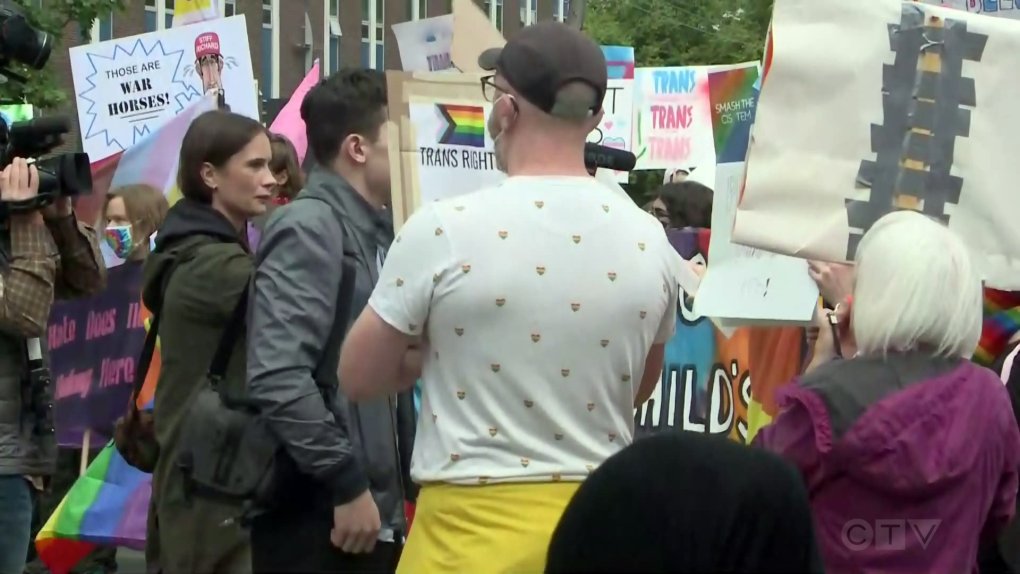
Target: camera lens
x=25 y=44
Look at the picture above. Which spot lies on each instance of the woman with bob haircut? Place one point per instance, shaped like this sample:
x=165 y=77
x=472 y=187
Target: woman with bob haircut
x=909 y=451
x=194 y=278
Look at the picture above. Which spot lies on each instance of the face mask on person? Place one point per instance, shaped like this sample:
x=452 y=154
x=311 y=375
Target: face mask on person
x=118 y=237
x=496 y=132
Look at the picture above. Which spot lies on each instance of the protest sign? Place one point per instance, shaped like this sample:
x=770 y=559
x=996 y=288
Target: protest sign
x=473 y=34
x=425 y=44
x=439 y=147
x=1002 y=8
x=672 y=116
x=919 y=124
x=128 y=87
x=618 y=106
x=745 y=285
x=193 y=11
x=707 y=384
x=93 y=345
x=706 y=381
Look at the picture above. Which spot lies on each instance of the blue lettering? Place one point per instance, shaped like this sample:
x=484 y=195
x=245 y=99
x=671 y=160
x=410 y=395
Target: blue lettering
x=674 y=81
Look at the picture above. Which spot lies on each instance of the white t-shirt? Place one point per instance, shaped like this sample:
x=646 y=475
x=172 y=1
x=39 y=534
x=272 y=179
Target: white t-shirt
x=541 y=297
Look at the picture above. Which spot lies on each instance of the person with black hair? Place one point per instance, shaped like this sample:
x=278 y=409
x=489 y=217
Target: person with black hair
x=684 y=204
x=344 y=511
x=686 y=502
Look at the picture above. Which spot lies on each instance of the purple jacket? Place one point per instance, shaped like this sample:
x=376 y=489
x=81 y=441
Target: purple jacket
x=908 y=460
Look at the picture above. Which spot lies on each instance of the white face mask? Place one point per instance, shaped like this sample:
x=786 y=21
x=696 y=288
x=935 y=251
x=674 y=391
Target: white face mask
x=501 y=157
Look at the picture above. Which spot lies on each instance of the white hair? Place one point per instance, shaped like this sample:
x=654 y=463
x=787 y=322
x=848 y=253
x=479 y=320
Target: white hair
x=916 y=288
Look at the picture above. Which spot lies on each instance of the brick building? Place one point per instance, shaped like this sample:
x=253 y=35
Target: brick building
x=286 y=36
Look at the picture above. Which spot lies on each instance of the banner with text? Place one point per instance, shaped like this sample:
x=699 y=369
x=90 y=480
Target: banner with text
x=617 y=123
x=706 y=378
x=128 y=87
x=425 y=44
x=673 y=116
x=921 y=124
x=456 y=155
x=1001 y=8
x=94 y=344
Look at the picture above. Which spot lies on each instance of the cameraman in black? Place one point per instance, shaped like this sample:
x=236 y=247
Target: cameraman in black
x=44 y=255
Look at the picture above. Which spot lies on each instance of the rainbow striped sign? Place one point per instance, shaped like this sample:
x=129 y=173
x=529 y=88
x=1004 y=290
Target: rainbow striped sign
x=462 y=125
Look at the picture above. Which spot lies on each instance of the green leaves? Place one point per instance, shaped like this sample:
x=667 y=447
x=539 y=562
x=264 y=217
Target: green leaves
x=42 y=88
x=679 y=33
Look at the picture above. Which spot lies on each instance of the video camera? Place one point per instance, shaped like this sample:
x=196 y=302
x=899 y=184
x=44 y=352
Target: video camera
x=61 y=174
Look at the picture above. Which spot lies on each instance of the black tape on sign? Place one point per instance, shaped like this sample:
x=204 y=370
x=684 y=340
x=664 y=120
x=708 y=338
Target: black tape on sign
x=916 y=99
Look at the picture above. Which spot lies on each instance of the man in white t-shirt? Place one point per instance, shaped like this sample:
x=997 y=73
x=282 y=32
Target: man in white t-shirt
x=536 y=312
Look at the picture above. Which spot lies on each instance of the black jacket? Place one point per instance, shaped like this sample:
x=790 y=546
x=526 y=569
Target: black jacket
x=294 y=349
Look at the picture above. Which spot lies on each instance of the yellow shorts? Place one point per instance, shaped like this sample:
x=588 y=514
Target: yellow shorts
x=499 y=528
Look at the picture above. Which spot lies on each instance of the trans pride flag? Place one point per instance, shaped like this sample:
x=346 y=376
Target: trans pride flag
x=109 y=505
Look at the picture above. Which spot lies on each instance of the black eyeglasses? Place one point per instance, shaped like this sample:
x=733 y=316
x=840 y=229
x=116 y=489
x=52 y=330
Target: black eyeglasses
x=489 y=88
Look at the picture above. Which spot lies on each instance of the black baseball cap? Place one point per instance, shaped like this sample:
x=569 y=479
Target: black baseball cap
x=543 y=58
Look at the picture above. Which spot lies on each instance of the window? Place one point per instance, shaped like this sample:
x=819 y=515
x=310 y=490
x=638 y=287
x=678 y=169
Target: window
x=497 y=19
x=525 y=20
x=101 y=31
x=150 y=15
x=562 y=9
x=267 y=49
x=418 y=9
x=168 y=13
x=380 y=35
x=334 y=36
x=106 y=27
x=229 y=8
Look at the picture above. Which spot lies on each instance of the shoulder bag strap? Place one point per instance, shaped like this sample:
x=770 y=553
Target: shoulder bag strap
x=149 y=348
x=218 y=367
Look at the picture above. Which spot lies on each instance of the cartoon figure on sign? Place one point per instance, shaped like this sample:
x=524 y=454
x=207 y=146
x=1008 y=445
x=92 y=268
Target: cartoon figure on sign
x=209 y=64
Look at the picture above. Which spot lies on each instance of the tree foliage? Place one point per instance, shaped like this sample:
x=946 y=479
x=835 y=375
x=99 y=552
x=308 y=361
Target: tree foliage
x=41 y=87
x=679 y=33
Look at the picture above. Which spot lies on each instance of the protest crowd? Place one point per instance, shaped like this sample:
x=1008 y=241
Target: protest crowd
x=346 y=358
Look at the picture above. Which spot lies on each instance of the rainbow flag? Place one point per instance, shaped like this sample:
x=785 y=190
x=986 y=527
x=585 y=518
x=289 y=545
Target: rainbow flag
x=193 y=11
x=108 y=506
x=462 y=125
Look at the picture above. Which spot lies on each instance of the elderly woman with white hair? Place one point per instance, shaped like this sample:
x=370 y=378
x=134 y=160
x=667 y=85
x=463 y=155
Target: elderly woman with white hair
x=909 y=451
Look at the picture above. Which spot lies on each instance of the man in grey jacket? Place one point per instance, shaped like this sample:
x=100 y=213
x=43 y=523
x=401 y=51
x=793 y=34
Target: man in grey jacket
x=344 y=506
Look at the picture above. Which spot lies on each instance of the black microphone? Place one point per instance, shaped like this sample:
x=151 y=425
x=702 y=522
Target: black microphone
x=600 y=156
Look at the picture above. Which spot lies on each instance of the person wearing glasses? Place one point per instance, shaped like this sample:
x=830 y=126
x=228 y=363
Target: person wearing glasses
x=536 y=312
x=683 y=204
